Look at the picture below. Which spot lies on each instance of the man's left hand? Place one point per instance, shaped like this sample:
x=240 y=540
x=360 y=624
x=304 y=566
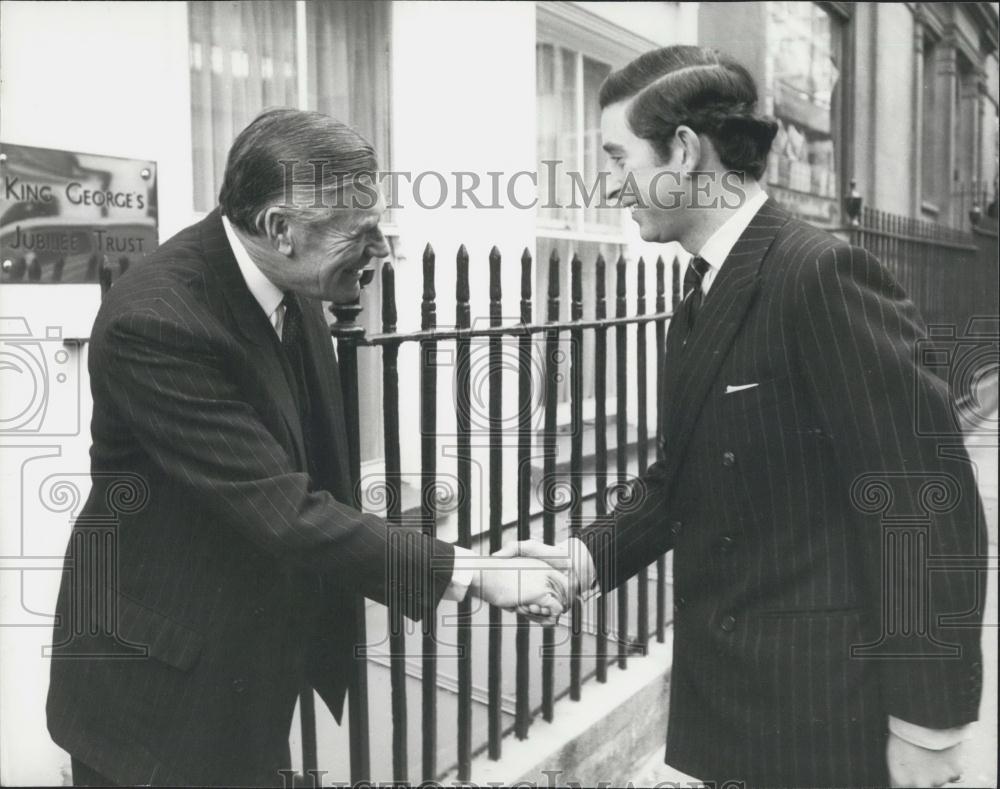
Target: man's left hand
x=911 y=765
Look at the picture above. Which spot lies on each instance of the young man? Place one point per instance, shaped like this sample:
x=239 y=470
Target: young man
x=790 y=399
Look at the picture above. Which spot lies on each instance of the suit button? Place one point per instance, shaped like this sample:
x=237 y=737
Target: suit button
x=240 y=685
x=728 y=623
x=726 y=544
x=675 y=528
x=728 y=459
x=258 y=611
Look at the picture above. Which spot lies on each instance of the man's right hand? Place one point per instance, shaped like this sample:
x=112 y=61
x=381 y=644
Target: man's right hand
x=523 y=584
x=557 y=556
x=570 y=557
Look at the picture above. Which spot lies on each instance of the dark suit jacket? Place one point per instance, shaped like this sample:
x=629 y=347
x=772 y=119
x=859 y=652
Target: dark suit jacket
x=778 y=502
x=209 y=577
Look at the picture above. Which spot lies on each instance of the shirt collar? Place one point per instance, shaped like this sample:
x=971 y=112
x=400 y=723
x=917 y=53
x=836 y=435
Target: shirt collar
x=721 y=243
x=267 y=294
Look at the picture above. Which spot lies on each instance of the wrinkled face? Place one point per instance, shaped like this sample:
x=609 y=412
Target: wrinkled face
x=653 y=190
x=328 y=257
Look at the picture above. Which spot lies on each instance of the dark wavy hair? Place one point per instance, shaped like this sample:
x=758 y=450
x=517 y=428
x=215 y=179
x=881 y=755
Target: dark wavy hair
x=256 y=177
x=697 y=87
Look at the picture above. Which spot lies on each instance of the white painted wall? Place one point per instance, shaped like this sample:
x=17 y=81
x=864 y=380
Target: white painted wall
x=107 y=79
x=463 y=100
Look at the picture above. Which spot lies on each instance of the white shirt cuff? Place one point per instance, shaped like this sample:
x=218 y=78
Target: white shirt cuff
x=582 y=568
x=931 y=739
x=461 y=577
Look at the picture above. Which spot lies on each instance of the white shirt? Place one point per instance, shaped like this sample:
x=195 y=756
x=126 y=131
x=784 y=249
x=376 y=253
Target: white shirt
x=267 y=294
x=721 y=242
x=269 y=297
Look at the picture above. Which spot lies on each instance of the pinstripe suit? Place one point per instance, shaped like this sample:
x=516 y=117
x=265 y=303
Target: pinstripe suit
x=772 y=499
x=235 y=570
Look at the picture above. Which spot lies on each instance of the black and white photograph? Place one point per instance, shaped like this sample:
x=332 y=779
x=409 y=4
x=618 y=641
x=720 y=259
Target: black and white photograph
x=535 y=393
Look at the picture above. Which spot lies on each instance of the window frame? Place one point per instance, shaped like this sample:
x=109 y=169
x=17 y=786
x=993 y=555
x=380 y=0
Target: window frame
x=842 y=15
x=388 y=223
x=587 y=35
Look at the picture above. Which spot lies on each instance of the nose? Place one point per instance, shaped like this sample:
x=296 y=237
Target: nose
x=614 y=187
x=377 y=247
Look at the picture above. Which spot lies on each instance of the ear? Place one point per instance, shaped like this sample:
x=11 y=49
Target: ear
x=278 y=228
x=691 y=147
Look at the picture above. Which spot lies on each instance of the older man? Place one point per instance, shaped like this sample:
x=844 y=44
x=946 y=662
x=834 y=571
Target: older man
x=227 y=586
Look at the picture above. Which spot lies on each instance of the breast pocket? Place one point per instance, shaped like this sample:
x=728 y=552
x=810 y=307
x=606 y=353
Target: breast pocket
x=763 y=397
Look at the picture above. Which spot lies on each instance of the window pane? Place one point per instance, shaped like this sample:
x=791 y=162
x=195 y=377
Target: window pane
x=594 y=73
x=242 y=60
x=805 y=46
x=557 y=137
x=967 y=190
x=348 y=53
x=931 y=123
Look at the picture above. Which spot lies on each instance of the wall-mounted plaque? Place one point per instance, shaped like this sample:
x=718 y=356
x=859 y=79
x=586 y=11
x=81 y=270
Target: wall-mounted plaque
x=64 y=216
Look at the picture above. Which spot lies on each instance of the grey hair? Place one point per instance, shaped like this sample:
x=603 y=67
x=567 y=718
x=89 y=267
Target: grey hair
x=297 y=159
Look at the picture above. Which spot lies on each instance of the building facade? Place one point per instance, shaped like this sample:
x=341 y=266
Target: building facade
x=899 y=97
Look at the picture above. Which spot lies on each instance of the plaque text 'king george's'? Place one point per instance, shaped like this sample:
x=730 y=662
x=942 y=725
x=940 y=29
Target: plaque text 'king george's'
x=64 y=215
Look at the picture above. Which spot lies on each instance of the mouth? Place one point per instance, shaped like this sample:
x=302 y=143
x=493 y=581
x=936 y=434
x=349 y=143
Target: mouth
x=363 y=273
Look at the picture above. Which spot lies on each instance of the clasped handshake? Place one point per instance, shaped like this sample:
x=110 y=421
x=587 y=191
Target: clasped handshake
x=531 y=578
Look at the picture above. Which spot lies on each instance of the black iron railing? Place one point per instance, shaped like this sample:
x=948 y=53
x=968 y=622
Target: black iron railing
x=350 y=338
x=943 y=270
x=950 y=274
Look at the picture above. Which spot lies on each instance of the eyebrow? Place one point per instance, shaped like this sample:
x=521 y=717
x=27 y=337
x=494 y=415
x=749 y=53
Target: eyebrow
x=612 y=148
x=366 y=224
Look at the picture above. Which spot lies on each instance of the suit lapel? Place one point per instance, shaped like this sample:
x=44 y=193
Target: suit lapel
x=693 y=361
x=248 y=320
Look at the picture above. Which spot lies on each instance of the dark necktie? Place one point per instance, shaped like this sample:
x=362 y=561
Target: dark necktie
x=693 y=294
x=292 y=343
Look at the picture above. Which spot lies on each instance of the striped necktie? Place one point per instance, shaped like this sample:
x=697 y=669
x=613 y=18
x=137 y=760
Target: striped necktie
x=692 y=282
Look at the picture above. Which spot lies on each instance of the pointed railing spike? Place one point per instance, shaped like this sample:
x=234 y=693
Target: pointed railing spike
x=388 y=298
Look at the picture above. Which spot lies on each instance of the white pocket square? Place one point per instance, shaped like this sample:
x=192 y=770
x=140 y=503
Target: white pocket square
x=730 y=389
